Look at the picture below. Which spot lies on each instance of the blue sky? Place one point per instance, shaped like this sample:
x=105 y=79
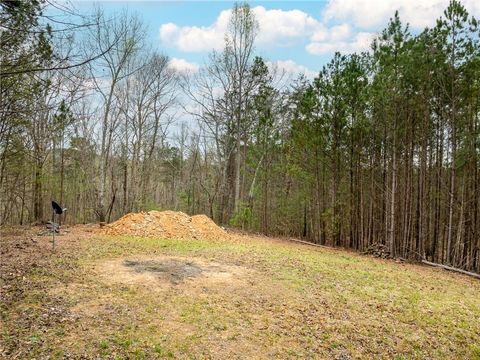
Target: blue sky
x=298 y=36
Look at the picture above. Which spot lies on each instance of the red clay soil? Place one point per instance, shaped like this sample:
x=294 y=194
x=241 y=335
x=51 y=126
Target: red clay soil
x=167 y=225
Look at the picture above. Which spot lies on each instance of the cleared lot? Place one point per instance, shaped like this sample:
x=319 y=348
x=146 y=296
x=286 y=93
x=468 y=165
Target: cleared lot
x=245 y=297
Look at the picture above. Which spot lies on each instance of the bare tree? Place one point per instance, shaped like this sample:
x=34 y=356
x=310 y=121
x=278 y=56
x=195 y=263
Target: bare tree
x=145 y=101
x=239 y=47
x=108 y=72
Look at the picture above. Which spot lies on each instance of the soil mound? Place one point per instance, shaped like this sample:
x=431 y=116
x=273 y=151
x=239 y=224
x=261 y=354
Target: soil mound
x=166 y=224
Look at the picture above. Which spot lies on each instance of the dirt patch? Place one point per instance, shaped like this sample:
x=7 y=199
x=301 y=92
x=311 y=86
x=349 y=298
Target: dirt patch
x=173 y=270
x=167 y=225
x=162 y=272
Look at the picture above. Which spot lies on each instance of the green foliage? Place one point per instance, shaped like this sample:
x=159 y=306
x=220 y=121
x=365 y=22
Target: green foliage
x=243 y=218
x=150 y=205
x=475 y=350
x=379 y=146
x=162 y=352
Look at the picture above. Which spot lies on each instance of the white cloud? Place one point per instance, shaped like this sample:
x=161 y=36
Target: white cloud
x=320 y=34
x=340 y=32
x=291 y=68
x=345 y=25
x=196 y=38
x=374 y=13
x=168 y=31
x=283 y=28
x=339 y=38
x=276 y=28
x=360 y=42
x=183 y=66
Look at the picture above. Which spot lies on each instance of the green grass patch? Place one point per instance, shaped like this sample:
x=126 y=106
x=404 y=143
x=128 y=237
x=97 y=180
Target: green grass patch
x=280 y=298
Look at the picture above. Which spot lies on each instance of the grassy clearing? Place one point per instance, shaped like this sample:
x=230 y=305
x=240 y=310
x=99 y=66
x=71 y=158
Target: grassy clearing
x=280 y=300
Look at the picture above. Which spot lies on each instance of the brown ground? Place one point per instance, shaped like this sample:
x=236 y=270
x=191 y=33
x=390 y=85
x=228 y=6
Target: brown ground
x=171 y=272
x=242 y=297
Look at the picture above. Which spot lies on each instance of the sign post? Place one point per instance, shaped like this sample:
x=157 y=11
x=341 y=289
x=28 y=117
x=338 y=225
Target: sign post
x=57 y=210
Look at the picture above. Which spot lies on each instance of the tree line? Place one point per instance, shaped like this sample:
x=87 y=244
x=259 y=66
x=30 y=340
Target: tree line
x=381 y=148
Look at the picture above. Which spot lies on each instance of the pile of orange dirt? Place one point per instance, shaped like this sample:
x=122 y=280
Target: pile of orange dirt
x=166 y=225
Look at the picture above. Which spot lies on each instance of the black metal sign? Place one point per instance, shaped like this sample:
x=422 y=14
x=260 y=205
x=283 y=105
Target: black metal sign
x=57 y=210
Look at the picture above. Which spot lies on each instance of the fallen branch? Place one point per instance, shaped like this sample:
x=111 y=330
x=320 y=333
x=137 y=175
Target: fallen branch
x=313 y=244
x=475 y=275
x=451 y=269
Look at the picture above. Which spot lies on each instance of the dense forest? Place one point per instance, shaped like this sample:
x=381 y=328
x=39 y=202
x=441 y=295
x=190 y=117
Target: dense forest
x=381 y=148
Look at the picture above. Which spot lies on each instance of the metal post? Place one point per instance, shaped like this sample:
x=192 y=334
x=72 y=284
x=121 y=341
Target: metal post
x=53 y=231
x=57 y=209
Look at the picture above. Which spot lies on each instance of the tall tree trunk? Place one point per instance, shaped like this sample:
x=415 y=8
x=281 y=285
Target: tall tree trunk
x=391 y=231
x=38 y=192
x=451 y=198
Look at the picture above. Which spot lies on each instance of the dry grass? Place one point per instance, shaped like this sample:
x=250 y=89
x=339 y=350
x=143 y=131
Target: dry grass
x=250 y=298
